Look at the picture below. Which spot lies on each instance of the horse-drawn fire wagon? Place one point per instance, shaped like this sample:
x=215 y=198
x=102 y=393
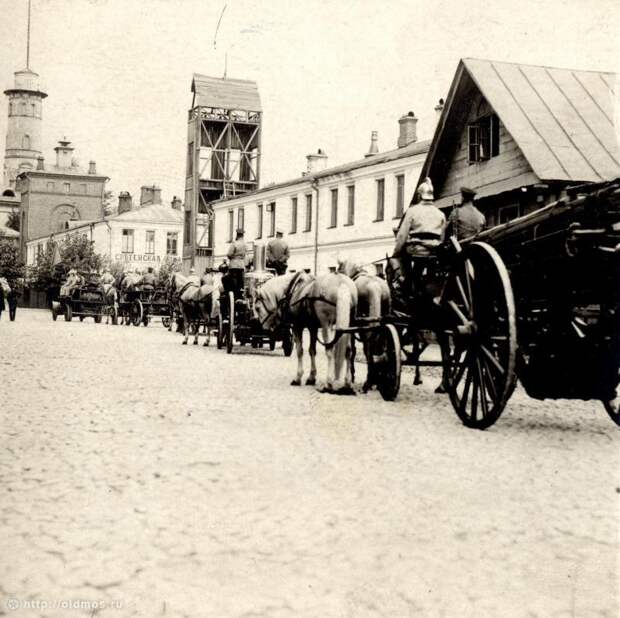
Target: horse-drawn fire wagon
x=536 y=299
x=237 y=321
x=86 y=301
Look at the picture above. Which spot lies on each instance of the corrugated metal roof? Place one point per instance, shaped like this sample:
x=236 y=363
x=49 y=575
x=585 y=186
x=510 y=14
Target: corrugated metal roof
x=561 y=119
x=238 y=94
x=156 y=213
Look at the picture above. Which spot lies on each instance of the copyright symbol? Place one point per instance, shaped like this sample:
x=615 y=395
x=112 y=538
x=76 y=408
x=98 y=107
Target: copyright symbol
x=12 y=604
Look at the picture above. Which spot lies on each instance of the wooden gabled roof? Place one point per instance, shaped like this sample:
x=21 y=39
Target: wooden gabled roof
x=239 y=94
x=561 y=119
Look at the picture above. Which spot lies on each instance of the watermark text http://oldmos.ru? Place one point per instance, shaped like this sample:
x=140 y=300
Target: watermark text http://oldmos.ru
x=15 y=604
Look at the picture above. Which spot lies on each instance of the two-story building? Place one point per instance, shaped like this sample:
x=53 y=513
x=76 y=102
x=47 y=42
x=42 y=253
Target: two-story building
x=520 y=134
x=345 y=211
x=136 y=237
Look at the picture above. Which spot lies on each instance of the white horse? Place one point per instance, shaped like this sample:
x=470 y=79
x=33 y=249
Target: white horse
x=327 y=302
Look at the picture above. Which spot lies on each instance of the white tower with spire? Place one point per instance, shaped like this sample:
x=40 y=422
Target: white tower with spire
x=23 y=136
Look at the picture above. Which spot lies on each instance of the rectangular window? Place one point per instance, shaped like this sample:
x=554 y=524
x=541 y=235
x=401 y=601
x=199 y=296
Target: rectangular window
x=150 y=242
x=51 y=186
x=350 y=205
x=271 y=209
x=241 y=219
x=231 y=224
x=127 y=246
x=259 y=221
x=66 y=187
x=508 y=213
x=172 y=239
x=83 y=188
x=293 y=215
x=308 y=225
x=400 y=196
x=333 y=218
x=483 y=138
x=380 y=199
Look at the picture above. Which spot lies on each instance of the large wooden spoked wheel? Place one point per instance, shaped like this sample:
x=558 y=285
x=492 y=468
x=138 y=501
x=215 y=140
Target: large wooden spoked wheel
x=384 y=362
x=136 y=313
x=68 y=313
x=478 y=335
x=230 y=334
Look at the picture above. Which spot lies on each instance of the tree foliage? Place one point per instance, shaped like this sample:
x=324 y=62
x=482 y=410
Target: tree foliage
x=11 y=265
x=13 y=221
x=169 y=265
x=75 y=251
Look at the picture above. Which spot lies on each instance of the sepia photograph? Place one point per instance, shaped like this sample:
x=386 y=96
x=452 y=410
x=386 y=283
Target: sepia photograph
x=310 y=308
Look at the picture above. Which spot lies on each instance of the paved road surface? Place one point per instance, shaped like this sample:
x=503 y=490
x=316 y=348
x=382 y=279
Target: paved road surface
x=140 y=477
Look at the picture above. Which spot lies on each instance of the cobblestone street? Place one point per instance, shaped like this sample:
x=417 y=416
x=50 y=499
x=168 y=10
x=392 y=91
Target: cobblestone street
x=140 y=477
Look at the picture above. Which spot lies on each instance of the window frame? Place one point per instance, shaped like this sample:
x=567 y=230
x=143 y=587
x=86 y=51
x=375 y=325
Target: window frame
x=231 y=224
x=294 y=214
x=172 y=238
x=149 y=243
x=350 y=205
x=66 y=187
x=483 y=141
x=271 y=209
x=380 y=204
x=333 y=209
x=259 y=221
x=308 y=218
x=241 y=218
x=400 y=196
x=127 y=233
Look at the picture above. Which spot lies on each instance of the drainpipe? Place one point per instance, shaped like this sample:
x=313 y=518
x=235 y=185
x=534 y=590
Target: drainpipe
x=109 y=238
x=315 y=187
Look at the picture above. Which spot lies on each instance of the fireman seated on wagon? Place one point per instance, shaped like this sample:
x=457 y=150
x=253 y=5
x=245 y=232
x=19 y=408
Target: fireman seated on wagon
x=420 y=234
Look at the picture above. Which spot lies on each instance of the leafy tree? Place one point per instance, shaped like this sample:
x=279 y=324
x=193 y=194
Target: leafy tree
x=108 y=206
x=11 y=265
x=13 y=221
x=169 y=265
x=75 y=251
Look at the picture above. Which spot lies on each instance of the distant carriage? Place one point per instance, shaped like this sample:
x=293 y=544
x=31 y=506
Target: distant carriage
x=237 y=323
x=86 y=301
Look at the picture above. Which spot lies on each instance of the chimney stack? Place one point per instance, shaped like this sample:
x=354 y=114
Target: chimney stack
x=40 y=164
x=374 y=144
x=408 y=132
x=64 y=152
x=316 y=162
x=176 y=203
x=124 y=202
x=92 y=167
x=439 y=108
x=150 y=195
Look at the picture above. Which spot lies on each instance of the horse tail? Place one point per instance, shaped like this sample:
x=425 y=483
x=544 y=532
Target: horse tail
x=344 y=309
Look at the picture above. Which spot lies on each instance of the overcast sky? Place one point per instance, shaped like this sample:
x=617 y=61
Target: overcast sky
x=118 y=72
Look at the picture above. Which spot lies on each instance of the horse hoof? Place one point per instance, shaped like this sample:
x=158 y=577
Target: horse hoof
x=326 y=389
x=440 y=390
x=195 y=343
x=345 y=390
x=185 y=343
x=417 y=382
x=366 y=387
x=296 y=382
x=310 y=381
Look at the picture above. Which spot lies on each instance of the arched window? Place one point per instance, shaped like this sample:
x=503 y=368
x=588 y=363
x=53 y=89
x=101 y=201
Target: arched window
x=22 y=108
x=26 y=142
x=34 y=109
